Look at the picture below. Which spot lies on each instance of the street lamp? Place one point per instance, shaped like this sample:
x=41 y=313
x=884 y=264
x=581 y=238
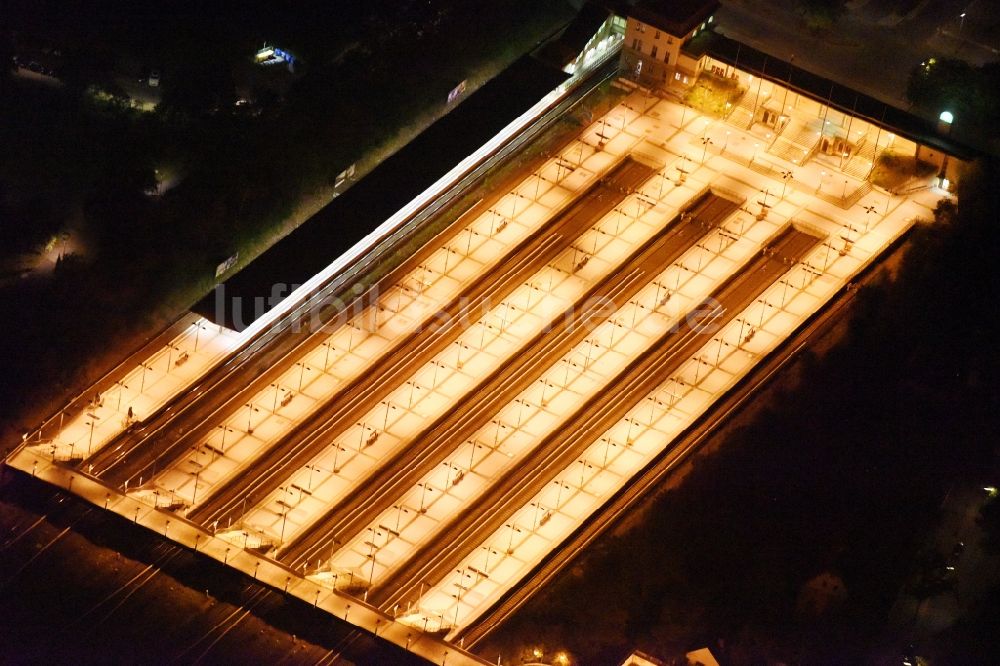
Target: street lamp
x=121 y=389
x=250 y=410
x=371 y=556
x=510 y=544
x=302 y=372
x=197 y=332
x=194 y=493
x=785 y=176
x=423 y=496
x=868 y=211
x=336 y=469
x=705 y=141
x=142 y=382
x=284 y=513
x=385 y=421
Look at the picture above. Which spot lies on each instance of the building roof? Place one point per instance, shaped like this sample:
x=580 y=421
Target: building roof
x=394 y=182
x=637 y=658
x=702 y=657
x=838 y=96
x=677 y=17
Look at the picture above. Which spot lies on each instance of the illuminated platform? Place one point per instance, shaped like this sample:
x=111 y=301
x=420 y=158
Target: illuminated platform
x=382 y=566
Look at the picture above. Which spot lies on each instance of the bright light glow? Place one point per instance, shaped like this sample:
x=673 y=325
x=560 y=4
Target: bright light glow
x=602 y=469
x=946 y=117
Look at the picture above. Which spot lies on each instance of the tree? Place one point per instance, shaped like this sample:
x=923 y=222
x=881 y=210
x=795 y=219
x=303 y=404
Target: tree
x=989 y=521
x=821 y=14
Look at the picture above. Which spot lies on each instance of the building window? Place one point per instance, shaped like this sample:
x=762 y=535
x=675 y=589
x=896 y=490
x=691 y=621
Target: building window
x=666 y=58
x=677 y=76
x=653 y=54
x=656 y=35
x=642 y=27
x=636 y=44
x=670 y=40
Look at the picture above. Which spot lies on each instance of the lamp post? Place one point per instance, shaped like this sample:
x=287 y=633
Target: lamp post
x=142 y=382
x=385 y=421
x=785 y=177
x=194 y=493
x=284 y=514
x=121 y=388
x=705 y=142
x=423 y=496
x=222 y=447
x=461 y=589
x=250 y=410
x=336 y=454
x=327 y=344
x=868 y=211
x=371 y=556
x=510 y=543
x=274 y=405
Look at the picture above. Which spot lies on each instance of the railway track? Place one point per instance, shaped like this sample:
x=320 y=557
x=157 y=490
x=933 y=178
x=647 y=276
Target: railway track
x=133 y=454
x=432 y=562
x=475 y=409
x=353 y=400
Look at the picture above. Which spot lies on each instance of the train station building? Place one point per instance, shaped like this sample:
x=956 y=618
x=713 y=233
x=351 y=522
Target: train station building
x=670 y=49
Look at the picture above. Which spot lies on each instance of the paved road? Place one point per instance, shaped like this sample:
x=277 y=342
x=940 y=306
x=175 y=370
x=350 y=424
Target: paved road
x=439 y=557
x=476 y=408
x=356 y=398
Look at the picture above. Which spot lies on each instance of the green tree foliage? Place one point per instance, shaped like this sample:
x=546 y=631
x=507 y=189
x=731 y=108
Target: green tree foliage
x=989 y=520
x=821 y=14
x=971 y=93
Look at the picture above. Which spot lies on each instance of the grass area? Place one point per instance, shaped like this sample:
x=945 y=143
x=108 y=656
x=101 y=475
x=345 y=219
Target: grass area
x=892 y=172
x=713 y=95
